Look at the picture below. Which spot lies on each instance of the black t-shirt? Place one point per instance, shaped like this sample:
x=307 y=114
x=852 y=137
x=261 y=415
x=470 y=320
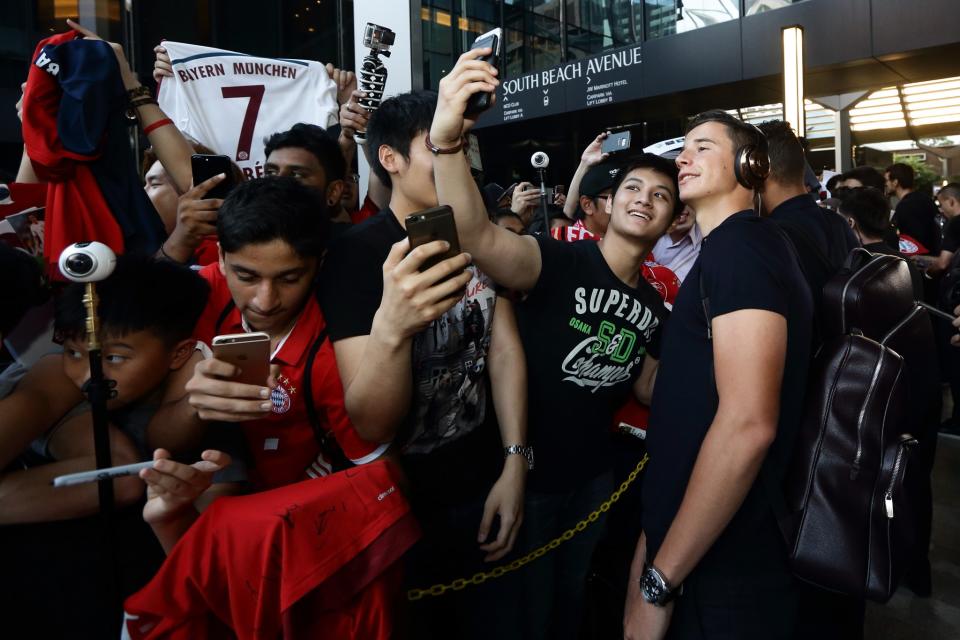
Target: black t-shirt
x=585 y=334
x=746 y=263
x=916 y=216
x=450 y=442
x=831 y=233
x=951 y=235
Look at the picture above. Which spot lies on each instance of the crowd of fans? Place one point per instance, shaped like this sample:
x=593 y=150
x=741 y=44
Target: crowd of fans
x=502 y=393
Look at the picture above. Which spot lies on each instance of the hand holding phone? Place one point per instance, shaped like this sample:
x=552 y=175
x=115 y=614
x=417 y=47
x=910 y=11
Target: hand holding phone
x=248 y=352
x=207 y=166
x=412 y=300
x=616 y=142
x=480 y=102
x=432 y=224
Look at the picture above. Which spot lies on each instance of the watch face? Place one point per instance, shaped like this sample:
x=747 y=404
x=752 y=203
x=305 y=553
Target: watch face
x=651 y=588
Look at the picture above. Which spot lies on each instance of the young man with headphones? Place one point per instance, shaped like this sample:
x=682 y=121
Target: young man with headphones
x=711 y=562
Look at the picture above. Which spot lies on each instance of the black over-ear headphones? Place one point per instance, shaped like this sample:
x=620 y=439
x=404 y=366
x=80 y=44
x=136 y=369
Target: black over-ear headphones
x=752 y=161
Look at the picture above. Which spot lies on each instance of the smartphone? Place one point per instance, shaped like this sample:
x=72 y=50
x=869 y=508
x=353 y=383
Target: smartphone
x=560 y=189
x=434 y=224
x=480 y=102
x=207 y=166
x=616 y=142
x=249 y=352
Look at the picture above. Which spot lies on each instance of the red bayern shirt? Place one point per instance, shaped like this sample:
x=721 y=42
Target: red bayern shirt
x=284 y=445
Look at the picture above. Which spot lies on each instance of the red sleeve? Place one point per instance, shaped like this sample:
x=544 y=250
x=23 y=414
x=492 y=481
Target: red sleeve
x=368 y=209
x=328 y=397
x=219 y=299
x=208 y=252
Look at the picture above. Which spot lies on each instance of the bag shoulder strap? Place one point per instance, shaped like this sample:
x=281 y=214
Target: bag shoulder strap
x=230 y=306
x=312 y=414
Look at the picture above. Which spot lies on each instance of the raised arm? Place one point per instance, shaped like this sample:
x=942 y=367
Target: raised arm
x=353 y=118
x=172 y=148
x=26 y=172
x=591 y=156
x=512 y=261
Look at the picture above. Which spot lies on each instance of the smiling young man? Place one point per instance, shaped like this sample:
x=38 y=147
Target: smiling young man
x=711 y=562
x=587 y=324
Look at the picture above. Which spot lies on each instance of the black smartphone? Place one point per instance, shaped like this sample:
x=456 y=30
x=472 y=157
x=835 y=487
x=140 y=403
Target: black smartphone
x=432 y=224
x=207 y=166
x=480 y=102
x=616 y=142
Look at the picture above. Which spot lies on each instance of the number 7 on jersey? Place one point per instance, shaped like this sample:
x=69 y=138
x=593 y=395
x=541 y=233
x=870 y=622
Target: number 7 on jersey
x=255 y=93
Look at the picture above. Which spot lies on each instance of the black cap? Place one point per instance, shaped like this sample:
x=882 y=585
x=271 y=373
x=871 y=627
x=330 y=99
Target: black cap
x=599 y=178
x=491 y=194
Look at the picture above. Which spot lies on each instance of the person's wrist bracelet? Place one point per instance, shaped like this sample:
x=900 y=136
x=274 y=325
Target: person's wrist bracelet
x=156 y=125
x=167 y=256
x=140 y=91
x=435 y=150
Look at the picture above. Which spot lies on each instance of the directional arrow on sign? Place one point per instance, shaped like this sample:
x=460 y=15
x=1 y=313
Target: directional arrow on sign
x=588 y=79
x=545 y=91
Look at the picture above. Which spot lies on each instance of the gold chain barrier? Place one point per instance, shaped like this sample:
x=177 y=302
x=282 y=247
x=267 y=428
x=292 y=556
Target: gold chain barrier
x=482 y=576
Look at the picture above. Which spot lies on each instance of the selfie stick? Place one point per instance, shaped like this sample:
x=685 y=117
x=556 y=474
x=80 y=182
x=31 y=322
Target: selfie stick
x=88 y=263
x=540 y=162
x=543 y=203
x=372 y=71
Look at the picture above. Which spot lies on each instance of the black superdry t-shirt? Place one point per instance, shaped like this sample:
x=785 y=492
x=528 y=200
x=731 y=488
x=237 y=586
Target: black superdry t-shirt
x=585 y=334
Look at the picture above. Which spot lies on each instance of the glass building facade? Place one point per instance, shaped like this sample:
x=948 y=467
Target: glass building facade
x=542 y=33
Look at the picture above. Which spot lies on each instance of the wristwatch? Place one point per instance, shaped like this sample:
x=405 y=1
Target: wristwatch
x=520 y=450
x=655 y=588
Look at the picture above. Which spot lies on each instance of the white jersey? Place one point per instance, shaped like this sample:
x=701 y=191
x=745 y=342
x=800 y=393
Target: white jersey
x=231 y=101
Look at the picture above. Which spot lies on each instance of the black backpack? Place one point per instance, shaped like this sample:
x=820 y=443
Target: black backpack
x=845 y=513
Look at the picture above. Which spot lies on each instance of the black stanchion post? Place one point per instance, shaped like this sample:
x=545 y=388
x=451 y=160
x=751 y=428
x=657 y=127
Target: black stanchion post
x=88 y=263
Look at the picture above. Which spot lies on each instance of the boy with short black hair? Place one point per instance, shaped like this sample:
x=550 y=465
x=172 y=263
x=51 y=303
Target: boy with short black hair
x=414 y=350
x=311 y=155
x=147 y=311
x=271 y=240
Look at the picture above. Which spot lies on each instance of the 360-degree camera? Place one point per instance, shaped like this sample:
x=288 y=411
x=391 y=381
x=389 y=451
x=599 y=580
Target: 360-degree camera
x=540 y=160
x=87 y=262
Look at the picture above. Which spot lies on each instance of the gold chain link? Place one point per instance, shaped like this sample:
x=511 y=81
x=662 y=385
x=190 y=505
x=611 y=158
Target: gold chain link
x=482 y=576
